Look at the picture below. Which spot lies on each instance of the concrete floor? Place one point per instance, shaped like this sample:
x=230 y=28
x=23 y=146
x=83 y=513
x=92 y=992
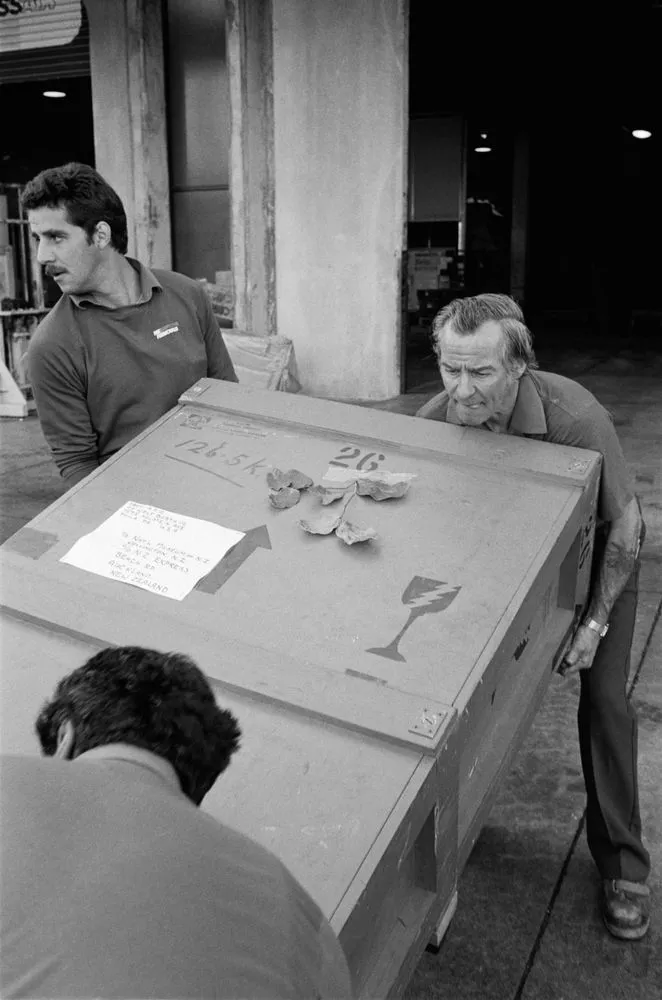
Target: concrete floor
x=527 y=925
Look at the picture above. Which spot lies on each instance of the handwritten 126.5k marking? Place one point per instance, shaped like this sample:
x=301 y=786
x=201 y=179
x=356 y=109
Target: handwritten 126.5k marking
x=242 y=462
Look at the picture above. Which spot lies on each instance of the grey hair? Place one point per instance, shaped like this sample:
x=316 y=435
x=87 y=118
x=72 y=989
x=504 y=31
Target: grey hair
x=467 y=315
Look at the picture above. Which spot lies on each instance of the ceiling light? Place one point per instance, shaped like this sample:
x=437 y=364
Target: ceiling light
x=483 y=149
x=54 y=93
x=641 y=133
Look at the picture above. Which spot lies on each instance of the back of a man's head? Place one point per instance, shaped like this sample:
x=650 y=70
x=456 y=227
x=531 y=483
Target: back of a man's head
x=86 y=196
x=161 y=702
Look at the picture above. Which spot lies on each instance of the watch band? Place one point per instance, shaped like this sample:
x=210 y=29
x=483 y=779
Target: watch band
x=597 y=627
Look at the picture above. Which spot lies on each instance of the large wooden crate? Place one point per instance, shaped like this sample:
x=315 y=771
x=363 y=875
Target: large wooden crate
x=378 y=714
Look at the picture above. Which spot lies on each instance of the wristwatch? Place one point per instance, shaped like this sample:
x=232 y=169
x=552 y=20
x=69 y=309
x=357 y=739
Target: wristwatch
x=597 y=627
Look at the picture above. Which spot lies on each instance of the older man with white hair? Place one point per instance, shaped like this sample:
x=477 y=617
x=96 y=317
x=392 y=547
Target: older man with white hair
x=491 y=381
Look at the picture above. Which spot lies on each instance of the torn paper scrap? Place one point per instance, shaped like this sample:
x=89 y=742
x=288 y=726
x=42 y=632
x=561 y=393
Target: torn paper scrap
x=339 y=477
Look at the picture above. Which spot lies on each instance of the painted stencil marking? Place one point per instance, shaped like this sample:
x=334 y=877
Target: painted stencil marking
x=425 y=597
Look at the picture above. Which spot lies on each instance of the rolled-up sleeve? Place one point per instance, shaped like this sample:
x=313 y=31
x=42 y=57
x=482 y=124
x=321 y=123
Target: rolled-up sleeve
x=219 y=363
x=595 y=430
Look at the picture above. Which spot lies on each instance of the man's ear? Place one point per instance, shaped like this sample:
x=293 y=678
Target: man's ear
x=518 y=369
x=65 y=741
x=102 y=235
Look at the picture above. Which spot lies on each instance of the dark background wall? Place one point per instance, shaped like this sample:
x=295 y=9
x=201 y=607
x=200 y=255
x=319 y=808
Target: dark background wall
x=576 y=78
x=38 y=132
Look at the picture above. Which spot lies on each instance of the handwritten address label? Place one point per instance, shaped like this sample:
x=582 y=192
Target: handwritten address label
x=154 y=549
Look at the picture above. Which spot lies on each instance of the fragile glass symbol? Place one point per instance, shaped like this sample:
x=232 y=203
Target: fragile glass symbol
x=424 y=597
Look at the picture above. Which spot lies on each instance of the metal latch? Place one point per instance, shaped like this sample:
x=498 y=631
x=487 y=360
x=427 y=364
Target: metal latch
x=428 y=723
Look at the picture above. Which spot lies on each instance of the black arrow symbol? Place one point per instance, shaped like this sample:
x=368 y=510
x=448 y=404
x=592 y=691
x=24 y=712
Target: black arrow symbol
x=255 y=538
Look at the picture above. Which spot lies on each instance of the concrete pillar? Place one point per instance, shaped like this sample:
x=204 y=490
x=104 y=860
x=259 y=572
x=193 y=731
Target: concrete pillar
x=128 y=99
x=250 y=61
x=340 y=117
x=339 y=82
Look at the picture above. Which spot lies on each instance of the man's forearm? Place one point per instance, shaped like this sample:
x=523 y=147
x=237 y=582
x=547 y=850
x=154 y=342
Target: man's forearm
x=617 y=563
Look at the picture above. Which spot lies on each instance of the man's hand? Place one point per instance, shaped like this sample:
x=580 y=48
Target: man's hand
x=581 y=652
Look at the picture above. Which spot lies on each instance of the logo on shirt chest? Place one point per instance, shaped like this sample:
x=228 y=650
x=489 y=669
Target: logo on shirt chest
x=164 y=331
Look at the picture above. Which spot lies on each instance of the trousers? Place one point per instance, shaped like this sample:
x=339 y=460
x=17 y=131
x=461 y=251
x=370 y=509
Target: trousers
x=607 y=723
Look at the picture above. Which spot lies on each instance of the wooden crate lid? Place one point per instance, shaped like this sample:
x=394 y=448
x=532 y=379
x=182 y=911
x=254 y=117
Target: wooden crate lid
x=380 y=636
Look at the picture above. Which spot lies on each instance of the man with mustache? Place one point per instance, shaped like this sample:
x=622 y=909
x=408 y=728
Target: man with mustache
x=488 y=368
x=123 y=342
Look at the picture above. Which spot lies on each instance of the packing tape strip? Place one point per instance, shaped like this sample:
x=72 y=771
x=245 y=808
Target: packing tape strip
x=31 y=543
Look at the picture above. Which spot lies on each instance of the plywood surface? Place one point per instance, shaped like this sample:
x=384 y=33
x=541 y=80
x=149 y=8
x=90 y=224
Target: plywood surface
x=315 y=795
x=413 y=610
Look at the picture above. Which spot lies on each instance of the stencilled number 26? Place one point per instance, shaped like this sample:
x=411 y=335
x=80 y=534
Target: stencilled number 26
x=351 y=457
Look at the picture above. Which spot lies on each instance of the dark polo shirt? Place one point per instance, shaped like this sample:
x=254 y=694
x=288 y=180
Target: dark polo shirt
x=115 y=885
x=101 y=376
x=553 y=408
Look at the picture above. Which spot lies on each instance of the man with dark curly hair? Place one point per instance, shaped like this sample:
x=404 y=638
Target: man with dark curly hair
x=114 y=884
x=123 y=342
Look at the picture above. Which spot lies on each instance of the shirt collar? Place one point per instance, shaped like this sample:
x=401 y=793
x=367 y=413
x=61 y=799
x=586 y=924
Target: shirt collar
x=148 y=283
x=528 y=416
x=134 y=755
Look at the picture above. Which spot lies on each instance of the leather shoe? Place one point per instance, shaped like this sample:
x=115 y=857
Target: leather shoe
x=625 y=908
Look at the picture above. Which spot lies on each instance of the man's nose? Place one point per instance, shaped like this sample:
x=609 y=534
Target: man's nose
x=465 y=386
x=44 y=253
